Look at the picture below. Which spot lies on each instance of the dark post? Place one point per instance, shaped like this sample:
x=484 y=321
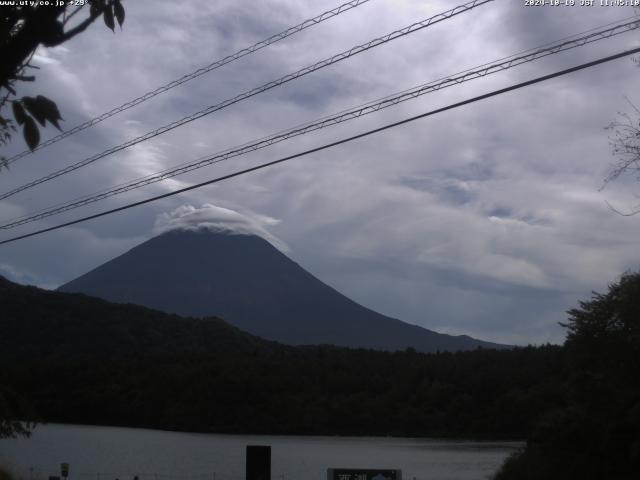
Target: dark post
x=258 y=462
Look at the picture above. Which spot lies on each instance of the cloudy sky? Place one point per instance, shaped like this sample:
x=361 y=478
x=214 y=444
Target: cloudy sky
x=487 y=220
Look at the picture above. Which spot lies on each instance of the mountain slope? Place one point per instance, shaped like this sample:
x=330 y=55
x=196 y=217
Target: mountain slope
x=249 y=283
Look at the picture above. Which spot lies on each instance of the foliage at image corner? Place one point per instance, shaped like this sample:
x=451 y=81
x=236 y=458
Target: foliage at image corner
x=23 y=28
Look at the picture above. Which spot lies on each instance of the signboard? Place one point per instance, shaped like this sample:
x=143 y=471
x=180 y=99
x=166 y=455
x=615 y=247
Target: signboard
x=363 y=474
x=64 y=469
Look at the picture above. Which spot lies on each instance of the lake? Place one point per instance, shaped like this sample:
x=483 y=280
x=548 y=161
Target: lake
x=109 y=453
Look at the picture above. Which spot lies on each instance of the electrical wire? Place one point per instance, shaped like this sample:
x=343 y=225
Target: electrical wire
x=250 y=93
x=345 y=115
x=195 y=74
x=330 y=145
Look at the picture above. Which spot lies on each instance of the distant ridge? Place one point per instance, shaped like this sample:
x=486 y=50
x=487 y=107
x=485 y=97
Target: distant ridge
x=42 y=325
x=252 y=285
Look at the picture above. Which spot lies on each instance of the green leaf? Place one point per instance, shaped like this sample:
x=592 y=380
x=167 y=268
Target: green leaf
x=118 y=10
x=108 y=17
x=50 y=110
x=43 y=110
x=31 y=133
x=96 y=7
x=18 y=112
x=35 y=109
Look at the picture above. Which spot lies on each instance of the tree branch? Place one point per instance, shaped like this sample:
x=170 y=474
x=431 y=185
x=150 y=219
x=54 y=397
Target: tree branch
x=81 y=27
x=70 y=16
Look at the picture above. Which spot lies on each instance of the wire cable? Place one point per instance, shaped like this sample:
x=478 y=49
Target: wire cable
x=250 y=93
x=195 y=74
x=332 y=144
x=343 y=116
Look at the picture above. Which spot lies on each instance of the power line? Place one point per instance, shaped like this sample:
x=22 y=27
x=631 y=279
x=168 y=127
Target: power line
x=345 y=115
x=195 y=74
x=268 y=86
x=569 y=37
x=332 y=144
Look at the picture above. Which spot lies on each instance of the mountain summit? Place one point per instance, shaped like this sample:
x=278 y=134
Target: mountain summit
x=248 y=282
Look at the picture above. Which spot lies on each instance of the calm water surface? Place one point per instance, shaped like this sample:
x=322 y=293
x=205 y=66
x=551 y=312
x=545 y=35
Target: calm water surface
x=107 y=453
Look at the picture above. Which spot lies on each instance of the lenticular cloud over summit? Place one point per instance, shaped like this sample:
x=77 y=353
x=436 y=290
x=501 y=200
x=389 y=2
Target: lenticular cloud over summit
x=218 y=220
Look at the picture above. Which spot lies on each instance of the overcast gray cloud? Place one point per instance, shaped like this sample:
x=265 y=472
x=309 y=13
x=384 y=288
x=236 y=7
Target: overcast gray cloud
x=486 y=220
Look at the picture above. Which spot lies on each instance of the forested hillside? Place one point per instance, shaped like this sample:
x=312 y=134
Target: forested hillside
x=83 y=360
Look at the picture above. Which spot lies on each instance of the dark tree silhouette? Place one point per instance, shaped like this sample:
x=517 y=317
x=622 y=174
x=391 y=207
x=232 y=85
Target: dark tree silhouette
x=596 y=435
x=608 y=320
